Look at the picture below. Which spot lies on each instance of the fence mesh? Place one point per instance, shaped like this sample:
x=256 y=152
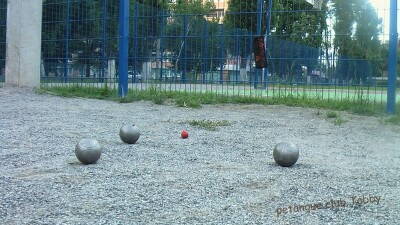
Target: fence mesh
x=317 y=49
x=3 y=30
x=79 y=41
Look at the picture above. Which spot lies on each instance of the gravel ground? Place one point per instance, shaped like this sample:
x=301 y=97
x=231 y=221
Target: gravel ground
x=226 y=176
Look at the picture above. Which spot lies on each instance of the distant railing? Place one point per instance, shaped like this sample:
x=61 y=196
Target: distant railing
x=3 y=31
x=180 y=47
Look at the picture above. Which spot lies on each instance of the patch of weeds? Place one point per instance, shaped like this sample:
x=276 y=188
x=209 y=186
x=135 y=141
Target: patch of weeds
x=364 y=109
x=105 y=91
x=77 y=91
x=339 y=121
x=394 y=120
x=211 y=125
x=156 y=96
x=188 y=101
x=331 y=115
x=335 y=117
x=159 y=99
x=359 y=106
x=126 y=100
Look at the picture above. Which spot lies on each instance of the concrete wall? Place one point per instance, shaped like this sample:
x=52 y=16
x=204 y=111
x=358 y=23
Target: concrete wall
x=24 y=34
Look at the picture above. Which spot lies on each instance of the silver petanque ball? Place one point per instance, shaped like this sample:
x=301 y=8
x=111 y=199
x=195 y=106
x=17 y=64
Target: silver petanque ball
x=88 y=151
x=286 y=154
x=129 y=134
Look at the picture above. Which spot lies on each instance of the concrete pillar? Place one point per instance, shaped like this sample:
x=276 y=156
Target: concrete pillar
x=24 y=36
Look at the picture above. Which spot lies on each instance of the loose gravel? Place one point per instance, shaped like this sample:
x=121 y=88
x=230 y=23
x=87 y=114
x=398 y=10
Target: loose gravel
x=226 y=176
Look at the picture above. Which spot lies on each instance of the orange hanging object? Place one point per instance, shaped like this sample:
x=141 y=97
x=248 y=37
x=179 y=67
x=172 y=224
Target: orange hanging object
x=259 y=52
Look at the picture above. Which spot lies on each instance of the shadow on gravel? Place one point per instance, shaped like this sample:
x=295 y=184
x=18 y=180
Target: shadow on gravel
x=295 y=166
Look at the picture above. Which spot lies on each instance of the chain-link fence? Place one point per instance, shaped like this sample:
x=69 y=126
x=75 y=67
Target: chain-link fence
x=3 y=31
x=307 y=49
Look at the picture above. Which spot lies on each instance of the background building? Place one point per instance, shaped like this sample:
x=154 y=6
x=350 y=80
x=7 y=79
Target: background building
x=221 y=6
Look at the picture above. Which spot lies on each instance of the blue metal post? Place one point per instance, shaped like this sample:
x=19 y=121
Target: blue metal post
x=162 y=25
x=221 y=54
x=66 y=39
x=135 y=39
x=123 y=47
x=104 y=44
x=392 y=78
x=185 y=30
x=250 y=44
x=268 y=33
x=258 y=33
x=204 y=53
x=237 y=53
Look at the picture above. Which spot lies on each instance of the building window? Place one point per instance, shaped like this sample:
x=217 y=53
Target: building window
x=219 y=13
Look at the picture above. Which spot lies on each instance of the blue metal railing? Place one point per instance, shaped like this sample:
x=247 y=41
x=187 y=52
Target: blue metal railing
x=391 y=101
x=3 y=30
x=179 y=47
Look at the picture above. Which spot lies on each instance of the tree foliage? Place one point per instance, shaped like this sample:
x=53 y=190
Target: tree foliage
x=192 y=35
x=185 y=33
x=296 y=32
x=357 y=29
x=77 y=31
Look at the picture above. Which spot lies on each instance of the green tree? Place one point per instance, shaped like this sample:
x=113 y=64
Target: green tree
x=84 y=24
x=242 y=14
x=357 y=28
x=367 y=39
x=3 y=18
x=149 y=19
x=296 y=32
x=343 y=27
x=86 y=33
x=89 y=22
x=53 y=34
x=192 y=35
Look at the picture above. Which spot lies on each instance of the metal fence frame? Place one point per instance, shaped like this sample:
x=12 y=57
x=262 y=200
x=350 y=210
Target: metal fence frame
x=105 y=47
x=3 y=31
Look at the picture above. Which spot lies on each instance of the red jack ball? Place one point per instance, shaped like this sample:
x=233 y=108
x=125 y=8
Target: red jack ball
x=184 y=134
